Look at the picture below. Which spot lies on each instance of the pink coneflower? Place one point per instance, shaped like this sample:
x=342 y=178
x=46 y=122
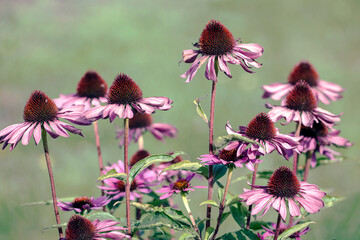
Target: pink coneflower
x=300 y=105
x=41 y=112
x=322 y=90
x=230 y=158
x=217 y=43
x=83 y=204
x=282 y=192
x=80 y=228
x=270 y=232
x=143 y=122
x=124 y=99
x=262 y=130
x=91 y=91
x=115 y=188
x=182 y=185
x=317 y=139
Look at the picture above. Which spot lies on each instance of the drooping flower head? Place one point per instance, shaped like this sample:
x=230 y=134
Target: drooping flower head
x=143 y=122
x=115 y=188
x=300 y=105
x=270 y=232
x=91 y=91
x=322 y=90
x=262 y=129
x=83 y=204
x=80 y=228
x=282 y=192
x=318 y=138
x=182 y=185
x=40 y=111
x=217 y=45
x=126 y=98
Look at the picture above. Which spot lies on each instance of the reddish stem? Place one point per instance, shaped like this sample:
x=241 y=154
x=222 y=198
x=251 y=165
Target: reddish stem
x=252 y=184
x=127 y=184
x=307 y=165
x=100 y=160
x=52 y=182
x=277 y=231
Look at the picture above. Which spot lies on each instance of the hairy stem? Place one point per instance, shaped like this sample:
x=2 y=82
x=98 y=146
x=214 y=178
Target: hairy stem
x=127 y=184
x=52 y=182
x=100 y=160
x=252 y=184
x=186 y=204
x=277 y=231
x=222 y=206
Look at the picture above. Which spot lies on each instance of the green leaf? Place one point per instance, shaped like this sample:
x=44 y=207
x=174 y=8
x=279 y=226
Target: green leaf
x=200 y=111
x=227 y=236
x=222 y=141
x=148 y=161
x=113 y=174
x=239 y=213
x=210 y=202
x=293 y=230
x=209 y=233
x=329 y=201
x=48 y=202
x=160 y=219
x=257 y=225
x=243 y=234
x=101 y=216
x=187 y=236
x=55 y=226
x=224 y=216
x=188 y=166
x=232 y=200
x=219 y=171
x=239 y=179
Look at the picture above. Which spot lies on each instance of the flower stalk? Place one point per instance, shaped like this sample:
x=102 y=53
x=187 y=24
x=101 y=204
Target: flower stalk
x=127 y=184
x=52 y=182
x=307 y=165
x=277 y=231
x=100 y=160
x=186 y=204
x=252 y=184
x=296 y=155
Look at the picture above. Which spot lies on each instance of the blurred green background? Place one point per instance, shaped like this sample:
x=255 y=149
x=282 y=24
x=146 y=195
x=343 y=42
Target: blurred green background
x=48 y=45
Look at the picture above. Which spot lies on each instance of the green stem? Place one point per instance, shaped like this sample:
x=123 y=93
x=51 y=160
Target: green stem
x=186 y=204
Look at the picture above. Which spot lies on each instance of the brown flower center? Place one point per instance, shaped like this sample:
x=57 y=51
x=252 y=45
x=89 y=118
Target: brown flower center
x=301 y=98
x=124 y=90
x=283 y=183
x=91 y=85
x=39 y=108
x=121 y=186
x=80 y=228
x=216 y=39
x=140 y=120
x=304 y=71
x=318 y=130
x=261 y=127
x=181 y=184
x=139 y=155
x=228 y=155
x=80 y=202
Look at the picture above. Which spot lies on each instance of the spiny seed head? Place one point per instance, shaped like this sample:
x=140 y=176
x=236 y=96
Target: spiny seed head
x=216 y=39
x=318 y=130
x=228 y=155
x=139 y=155
x=304 y=71
x=81 y=201
x=261 y=127
x=80 y=228
x=121 y=186
x=140 y=120
x=181 y=184
x=301 y=98
x=124 y=90
x=283 y=183
x=91 y=85
x=39 y=108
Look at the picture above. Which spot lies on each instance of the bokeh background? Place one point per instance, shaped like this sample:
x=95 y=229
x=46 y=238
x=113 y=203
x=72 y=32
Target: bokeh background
x=48 y=45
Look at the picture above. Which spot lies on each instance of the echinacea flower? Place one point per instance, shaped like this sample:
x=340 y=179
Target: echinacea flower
x=318 y=138
x=322 y=90
x=82 y=204
x=91 y=91
x=80 y=228
x=229 y=158
x=270 y=232
x=182 y=185
x=282 y=192
x=143 y=122
x=115 y=188
x=124 y=99
x=300 y=106
x=41 y=112
x=262 y=129
x=217 y=45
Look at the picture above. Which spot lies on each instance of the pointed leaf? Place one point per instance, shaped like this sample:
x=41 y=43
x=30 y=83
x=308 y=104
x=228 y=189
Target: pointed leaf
x=329 y=201
x=232 y=200
x=101 y=216
x=48 y=202
x=160 y=219
x=209 y=233
x=188 y=166
x=187 y=236
x=210 y=202
x=224 y=217
x=293 y=230
x=148 y=161
x=239 y=213
x=55 y=226
x=200 y=111
x=257 y=225
x=219 y=171
x=113 y=174
x=222 y=141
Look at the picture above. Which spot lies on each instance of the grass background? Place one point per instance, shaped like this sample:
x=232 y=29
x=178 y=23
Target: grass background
x=48 y=45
